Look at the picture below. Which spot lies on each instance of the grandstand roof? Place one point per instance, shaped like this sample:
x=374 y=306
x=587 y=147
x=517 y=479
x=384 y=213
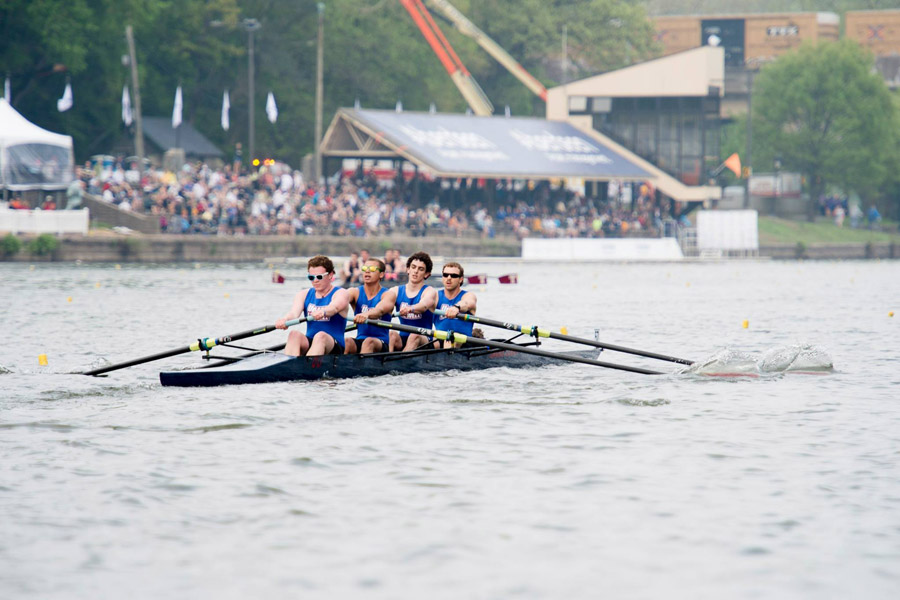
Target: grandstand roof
x=456 y=145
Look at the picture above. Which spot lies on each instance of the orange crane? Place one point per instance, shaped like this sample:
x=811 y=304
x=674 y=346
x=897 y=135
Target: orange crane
x=468 y=87
x=467 y=28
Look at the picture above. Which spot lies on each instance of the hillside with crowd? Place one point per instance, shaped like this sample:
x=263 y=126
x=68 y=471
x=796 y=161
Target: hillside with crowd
x=199 y=199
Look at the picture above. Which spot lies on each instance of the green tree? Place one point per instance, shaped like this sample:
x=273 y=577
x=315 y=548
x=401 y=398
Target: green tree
x=373 y=52
x=825 y=112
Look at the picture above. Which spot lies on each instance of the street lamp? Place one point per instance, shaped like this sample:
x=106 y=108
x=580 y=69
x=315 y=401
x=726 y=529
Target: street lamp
x=251 y=25
x=320 y=7
x=777 y=164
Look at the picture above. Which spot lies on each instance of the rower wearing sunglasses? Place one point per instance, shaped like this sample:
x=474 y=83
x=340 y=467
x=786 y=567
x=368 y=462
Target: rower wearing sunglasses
x=453 y=300
x=371 y=300
x=325 y=307
x=415 y=302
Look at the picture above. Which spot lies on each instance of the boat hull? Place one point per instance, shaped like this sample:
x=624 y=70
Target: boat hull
x=274 y=367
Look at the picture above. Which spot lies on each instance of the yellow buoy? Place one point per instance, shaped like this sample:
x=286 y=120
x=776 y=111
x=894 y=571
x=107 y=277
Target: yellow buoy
x=891 y=314
x=42 y=360
x=69 y=299
x=745 y=324
x=118 y=266
x=688 y=284
x=226 y=295
x=96 y=285
x=564 y=331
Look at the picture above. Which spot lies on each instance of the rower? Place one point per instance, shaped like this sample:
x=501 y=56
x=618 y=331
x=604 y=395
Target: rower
x=415 y=303
x=325 y=307
x=371 y=301
x=453 y=300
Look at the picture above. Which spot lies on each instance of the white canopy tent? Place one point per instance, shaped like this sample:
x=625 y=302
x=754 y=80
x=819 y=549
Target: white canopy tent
x=32 y=158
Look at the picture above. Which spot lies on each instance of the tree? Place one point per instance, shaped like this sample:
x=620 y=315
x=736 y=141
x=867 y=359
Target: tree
x=826 y=113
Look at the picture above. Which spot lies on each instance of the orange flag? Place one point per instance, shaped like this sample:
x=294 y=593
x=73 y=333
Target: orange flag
x=733 y=163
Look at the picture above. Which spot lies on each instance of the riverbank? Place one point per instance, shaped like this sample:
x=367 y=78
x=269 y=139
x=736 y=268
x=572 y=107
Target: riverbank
x=167 y=248
x=164 y=248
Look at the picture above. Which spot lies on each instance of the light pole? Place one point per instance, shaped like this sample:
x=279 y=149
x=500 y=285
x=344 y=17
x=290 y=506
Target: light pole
x=319 y=93
x=748 y=157
x=251 y=25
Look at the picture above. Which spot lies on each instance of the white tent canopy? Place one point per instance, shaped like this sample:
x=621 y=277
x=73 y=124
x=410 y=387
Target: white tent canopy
x=32 y=158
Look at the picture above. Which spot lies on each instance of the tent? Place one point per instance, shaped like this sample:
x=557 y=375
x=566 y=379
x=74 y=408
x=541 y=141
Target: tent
x=32 y=158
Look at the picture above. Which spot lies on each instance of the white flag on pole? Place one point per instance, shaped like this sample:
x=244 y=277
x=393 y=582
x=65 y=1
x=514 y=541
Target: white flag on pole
x=127 y=116
x=7 y=91
x=176 y=110
x=226 y=106
x=271 y=109
x=65 y=103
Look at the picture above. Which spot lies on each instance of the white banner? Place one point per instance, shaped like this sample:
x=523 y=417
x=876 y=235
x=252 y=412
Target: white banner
x=127 y=116
x=176 y=110
x=271 y=109
x=226 y=106
x=65 y=103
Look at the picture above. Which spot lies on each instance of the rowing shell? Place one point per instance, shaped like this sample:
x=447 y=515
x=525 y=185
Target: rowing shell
x=272 y=367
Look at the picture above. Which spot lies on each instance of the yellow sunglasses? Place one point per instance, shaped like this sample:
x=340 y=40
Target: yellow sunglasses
x=368 y=269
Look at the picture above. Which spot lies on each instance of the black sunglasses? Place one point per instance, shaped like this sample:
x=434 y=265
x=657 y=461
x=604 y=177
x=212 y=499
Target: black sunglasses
x=320 y=276
x=451 y=275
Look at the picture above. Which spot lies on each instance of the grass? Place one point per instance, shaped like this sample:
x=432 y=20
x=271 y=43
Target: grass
x=773 y=230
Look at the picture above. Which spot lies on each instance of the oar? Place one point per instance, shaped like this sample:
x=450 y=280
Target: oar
x=458 y=338
x=541 y=332
x=200 y=344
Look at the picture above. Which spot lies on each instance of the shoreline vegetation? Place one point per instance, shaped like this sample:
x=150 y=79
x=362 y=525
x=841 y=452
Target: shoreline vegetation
x=778 y=238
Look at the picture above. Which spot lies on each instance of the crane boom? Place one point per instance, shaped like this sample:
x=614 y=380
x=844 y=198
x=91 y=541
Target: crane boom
x=466 y=27
x=465 y=83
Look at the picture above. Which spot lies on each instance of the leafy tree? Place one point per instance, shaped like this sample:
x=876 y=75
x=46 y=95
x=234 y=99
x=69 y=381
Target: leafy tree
x=825 y=112
x=373 y=52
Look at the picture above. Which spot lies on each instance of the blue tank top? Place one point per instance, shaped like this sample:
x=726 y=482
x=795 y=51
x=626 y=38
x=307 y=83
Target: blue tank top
x=334 y=326
x=363 y=304
x=443 y=323
x=425 y=319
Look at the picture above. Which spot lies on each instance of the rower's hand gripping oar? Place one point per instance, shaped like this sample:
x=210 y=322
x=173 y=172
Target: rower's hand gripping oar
x=458 y=338
x=541 y=332
x=200 y=344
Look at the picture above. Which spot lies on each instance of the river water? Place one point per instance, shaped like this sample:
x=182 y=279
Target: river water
x=568 y=481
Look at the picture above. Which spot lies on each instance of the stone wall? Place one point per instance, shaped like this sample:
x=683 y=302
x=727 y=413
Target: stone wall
x=164 y=248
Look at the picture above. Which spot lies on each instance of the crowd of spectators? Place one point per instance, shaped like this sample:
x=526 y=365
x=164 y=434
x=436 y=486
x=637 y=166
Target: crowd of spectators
x=839 y=207
x=276 y=200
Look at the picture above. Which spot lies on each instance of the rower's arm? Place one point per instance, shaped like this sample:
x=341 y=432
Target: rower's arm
x=428 y=302
x=339 y=303
x=352 y=297
x=467 y=303
x=295 y=312
x=386 y=305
